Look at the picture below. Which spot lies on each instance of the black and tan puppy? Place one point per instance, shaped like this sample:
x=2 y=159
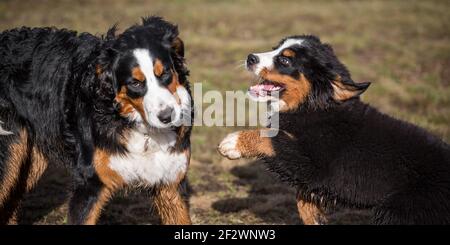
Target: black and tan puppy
x=116 y=111
x=333 y=148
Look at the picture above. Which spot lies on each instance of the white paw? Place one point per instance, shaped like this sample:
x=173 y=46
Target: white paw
x=228 y=146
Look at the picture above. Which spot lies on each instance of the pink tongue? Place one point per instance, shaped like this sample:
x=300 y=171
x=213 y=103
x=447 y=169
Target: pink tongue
x=262 y=87
x=268 y=86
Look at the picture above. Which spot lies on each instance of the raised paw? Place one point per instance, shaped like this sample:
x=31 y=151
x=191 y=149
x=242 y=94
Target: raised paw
x=228 y=147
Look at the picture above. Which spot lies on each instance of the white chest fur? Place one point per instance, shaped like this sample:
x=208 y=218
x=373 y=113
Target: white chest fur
x=149 y=160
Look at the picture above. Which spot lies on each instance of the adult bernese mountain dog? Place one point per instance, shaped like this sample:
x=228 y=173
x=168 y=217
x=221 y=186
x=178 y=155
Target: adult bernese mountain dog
x=116 y=110
x=335 y=149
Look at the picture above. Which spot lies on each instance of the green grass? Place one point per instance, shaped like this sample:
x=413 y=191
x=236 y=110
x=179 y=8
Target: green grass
x=403 y=47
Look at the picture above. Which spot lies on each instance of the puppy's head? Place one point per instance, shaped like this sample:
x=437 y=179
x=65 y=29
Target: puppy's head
x=301 y=72
x=145 y=66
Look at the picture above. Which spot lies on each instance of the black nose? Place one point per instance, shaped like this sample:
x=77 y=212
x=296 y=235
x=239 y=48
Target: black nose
x=252 y=59
x=165 y=116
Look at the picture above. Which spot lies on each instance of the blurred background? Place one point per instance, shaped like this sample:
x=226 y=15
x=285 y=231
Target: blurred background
x=402 y=47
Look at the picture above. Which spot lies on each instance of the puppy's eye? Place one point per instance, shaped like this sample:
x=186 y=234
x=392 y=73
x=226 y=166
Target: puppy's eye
x=137 y=84
x=284 y=61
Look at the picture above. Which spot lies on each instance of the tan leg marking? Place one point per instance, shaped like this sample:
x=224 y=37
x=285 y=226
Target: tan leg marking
x=251 y=144
x=310 y=213
x=17 y=157
x=103 y=197
x=170 y=205
x=18 y=175
x=14 y=220
x=111 y=180
x=109 y=177
x=38 y=166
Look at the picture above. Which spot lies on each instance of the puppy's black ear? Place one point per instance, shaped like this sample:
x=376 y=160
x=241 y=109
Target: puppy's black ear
x=111 y=33
x=178 y=46
x=343 y=91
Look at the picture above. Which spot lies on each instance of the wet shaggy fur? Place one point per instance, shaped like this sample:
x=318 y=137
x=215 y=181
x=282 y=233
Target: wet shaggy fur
x=57 y=102
x=339 y=150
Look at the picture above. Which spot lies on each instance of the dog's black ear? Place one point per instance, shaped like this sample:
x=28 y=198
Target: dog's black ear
x=344 y=90
x=178 y=46
x=169 y=32
x=111 y=33
x=104 y=71
x=172 y=41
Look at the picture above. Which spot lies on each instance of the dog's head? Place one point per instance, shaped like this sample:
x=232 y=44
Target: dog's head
x=302 y=72
x=144 y=69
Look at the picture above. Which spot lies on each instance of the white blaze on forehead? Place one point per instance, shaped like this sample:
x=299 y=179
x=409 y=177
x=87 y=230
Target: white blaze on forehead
x=266 y=59
x=146 y=64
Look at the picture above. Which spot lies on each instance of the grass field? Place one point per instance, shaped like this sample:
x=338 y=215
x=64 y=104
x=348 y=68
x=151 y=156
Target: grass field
x=403 y=47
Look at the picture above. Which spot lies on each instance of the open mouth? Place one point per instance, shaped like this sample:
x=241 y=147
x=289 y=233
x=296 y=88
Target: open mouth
x=266 y=88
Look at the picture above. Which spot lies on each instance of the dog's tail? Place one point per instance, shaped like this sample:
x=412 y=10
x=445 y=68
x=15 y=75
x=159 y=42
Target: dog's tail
x=3 y=131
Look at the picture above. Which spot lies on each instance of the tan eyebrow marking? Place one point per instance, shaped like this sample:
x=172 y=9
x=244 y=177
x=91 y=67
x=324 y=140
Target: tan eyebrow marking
x=158 y=68
x=172 y=87
x=137 y=74
x=129 y=104
x=288 y=53
x=174 y=84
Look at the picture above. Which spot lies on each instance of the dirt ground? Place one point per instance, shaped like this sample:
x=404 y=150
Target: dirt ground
x=401 y=46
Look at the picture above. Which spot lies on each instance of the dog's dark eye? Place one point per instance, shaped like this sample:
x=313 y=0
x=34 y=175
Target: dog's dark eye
x=284 y=61
x=166 y=76
x=137 y=84
x=165 y=73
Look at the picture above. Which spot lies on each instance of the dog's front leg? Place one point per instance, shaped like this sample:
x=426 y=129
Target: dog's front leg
x=170 y=205
x=87 y=201
x=92 y=192
x=252 y=143
x=249 y=143
x=310 y=213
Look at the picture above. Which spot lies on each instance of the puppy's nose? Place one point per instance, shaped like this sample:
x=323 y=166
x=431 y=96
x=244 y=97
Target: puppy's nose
x=165 y=116
x=252 y=60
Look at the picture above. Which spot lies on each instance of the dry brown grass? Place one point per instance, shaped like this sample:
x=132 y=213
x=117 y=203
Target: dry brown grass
x=401 y=46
